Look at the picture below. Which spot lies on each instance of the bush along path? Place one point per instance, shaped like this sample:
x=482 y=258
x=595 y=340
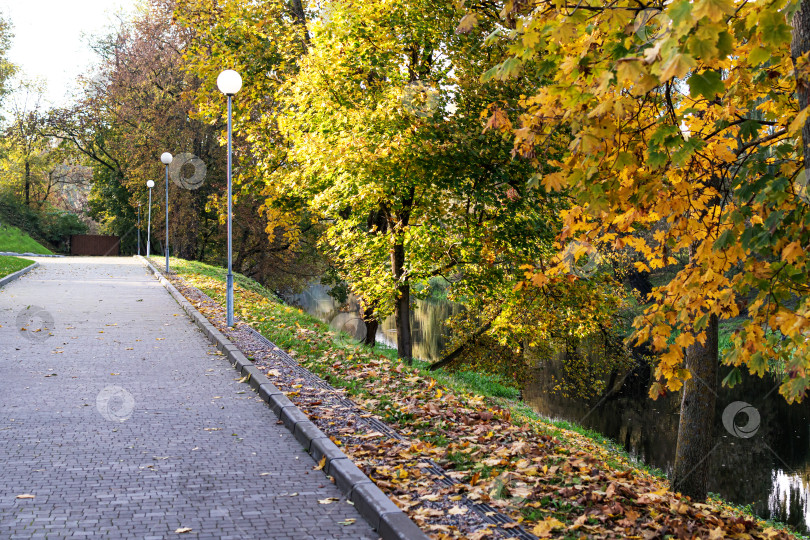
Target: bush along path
x=551 y=482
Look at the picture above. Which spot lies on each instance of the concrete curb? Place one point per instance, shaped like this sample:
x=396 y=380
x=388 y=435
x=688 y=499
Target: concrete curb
x=382 y=514
x=15 y=254
x=18 y=274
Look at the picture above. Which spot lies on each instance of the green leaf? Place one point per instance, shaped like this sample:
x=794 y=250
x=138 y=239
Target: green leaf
x=725 y=44
x=749 y=130
x=489 y=74
x=733 y=378
x=773 y=29
x=725 y=240
x=758 y=363
x=759 y=55
x=706 y=84
x=509 y=68
x=680 y=12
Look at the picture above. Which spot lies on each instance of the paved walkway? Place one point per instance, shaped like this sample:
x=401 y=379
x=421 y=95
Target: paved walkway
x=122 y=421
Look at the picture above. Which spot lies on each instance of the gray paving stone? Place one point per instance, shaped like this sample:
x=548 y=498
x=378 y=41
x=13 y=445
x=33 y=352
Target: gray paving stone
x=305 y=432
x=124 y=424
x=292 y=416
x=371 y=502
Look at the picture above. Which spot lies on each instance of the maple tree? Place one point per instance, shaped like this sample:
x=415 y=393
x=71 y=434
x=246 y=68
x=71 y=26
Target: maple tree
x=385 y=145
x=684 y=141
x=262 y=41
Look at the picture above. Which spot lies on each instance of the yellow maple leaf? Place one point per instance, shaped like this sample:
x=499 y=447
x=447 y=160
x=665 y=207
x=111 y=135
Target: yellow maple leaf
x=791 y=252
x=553 y=181
x=799 y=121
x=629 y=69
x=677 y=66
x=544 y=528
x=715 y=10
x=538 y=280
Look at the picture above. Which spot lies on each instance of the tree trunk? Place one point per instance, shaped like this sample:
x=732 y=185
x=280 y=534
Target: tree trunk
x=798 y=47
x=403 y=305
x=372 y=324
x=696 y=427
x=298 y=12
x=27 y=183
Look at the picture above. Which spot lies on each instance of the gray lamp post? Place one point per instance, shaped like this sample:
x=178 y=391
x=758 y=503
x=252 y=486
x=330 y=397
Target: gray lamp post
x=229 y=83
x=150 y=184
x=139 y=229
x=166 y=158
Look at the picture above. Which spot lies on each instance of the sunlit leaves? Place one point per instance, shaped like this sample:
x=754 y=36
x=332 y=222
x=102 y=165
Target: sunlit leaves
x=702 y=157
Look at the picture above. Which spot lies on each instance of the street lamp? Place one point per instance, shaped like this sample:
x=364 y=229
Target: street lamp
x=166 y=158
x=229 y=83
x=139 y=229
x=150 y=184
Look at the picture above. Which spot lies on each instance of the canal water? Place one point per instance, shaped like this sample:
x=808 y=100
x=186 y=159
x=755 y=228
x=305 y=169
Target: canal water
x=764 y=461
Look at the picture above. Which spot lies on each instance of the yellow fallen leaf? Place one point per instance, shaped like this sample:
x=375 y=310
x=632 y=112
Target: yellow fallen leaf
x=182 y=530
x=25 y=496
x=457 y=511
x=544 y=528
x=321 y=464
x=328 y=500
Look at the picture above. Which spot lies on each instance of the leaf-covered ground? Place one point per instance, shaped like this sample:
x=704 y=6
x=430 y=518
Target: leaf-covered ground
x=553 y=482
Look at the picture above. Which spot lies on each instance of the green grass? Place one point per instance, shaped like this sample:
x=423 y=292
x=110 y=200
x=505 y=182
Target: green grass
x=283 y=320
x=9 y=265
x=13 y=239
x=182 y=266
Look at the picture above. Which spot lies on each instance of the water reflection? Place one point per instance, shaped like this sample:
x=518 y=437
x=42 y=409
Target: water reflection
x=770 y=471
x=427 y=320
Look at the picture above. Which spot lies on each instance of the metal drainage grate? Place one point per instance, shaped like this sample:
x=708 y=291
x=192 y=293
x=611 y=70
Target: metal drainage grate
x=487 y=513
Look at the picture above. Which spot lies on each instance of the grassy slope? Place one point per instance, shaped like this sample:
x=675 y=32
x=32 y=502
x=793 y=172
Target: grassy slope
x=9 y=265
x=13 y=239
x=284 y=325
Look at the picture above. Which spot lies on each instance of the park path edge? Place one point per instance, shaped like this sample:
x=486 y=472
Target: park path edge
x=390 y=522
x=18 y=274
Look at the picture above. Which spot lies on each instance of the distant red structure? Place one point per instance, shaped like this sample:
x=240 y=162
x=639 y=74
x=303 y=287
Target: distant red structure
x=95 y=244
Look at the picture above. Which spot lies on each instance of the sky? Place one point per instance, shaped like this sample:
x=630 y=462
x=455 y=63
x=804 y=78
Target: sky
x=51 y=39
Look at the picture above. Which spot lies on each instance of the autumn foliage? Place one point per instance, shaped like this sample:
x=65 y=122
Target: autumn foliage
x=684 y=142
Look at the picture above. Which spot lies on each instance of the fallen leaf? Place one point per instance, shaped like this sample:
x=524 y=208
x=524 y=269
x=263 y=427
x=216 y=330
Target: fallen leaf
x=328 y=500
x=182 y=530
x=544 y=528
x=25 y=496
